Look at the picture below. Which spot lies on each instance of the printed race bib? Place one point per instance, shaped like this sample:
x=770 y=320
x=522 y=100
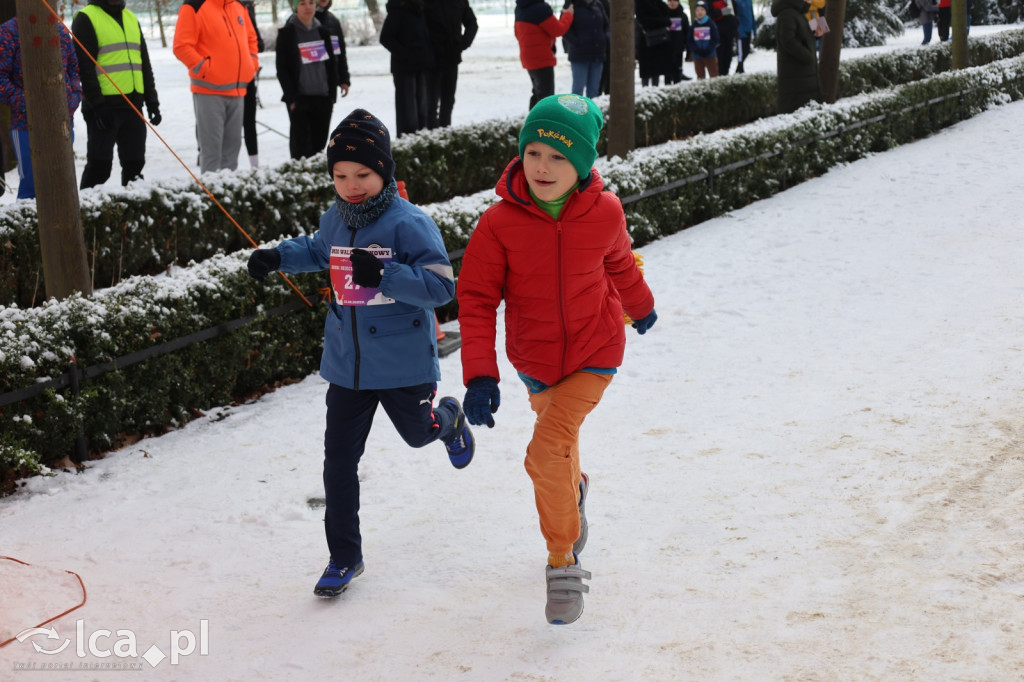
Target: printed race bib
x=335 y=45
x=702 y=33
x=312 y=52
x=676 y=24
x=347 y=292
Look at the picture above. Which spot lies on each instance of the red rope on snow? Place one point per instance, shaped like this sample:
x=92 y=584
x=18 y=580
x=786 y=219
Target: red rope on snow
x=79 y=605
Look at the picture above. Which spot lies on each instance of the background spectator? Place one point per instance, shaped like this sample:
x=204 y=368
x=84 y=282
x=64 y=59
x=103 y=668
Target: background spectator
x=703 y=42
x=536 y=29
x=405 y=35
x=217 y=42
x=333 y=26
x=796 y=56
x=654 y=59
x=452 y=26
x=586 y=44
x=309 y=79
x=252 y=146
x=12 y=93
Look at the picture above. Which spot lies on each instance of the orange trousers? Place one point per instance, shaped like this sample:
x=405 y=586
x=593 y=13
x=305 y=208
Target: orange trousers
x=553 y=455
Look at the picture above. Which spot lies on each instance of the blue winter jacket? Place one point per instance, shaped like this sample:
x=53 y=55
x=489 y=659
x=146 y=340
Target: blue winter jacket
x=703 y=38
x=394 y=344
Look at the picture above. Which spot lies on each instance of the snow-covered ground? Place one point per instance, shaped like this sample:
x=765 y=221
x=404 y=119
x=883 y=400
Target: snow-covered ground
x=812 y=468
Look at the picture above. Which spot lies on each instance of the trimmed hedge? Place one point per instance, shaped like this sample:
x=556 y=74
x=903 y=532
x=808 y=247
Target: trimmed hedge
x=144 y=312
x=142 y=231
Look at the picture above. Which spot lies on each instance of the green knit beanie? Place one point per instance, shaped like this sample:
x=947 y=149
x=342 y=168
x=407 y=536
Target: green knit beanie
x=570 y=124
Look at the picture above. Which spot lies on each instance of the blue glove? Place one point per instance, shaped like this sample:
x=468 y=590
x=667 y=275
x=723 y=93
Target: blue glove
x=482 y=400
x=643 y=324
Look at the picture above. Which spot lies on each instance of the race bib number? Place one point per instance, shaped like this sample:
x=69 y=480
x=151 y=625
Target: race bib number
x=312 y=52
x=347 y=292
x=335 y=45
x=676 y=24
x=702 y=33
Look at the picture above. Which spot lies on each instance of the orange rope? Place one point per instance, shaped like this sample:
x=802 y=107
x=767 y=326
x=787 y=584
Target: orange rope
x=169 y=148
x=79 y=605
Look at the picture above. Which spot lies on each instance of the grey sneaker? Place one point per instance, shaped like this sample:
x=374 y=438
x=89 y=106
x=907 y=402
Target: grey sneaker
x=565 y=593
x=581 y=541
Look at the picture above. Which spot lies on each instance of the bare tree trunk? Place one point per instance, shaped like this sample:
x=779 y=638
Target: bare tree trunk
x=273 y=11
x=622 y=81
x=959 y=28
x=160 y=21
x=65 y=268
x=375 y=14
x=831 y=47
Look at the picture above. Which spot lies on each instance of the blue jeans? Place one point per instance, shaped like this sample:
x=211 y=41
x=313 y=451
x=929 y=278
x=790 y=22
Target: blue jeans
x=26 y=182
x=586 y=76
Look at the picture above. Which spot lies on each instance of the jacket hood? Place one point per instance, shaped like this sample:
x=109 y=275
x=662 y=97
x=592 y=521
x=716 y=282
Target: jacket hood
x=801 y=6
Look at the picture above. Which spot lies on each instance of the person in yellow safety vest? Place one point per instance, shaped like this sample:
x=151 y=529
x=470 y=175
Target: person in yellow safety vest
x=109 y=35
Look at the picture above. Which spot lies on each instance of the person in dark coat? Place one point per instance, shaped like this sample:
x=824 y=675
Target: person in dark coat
x=252 y=145
x=796 y=55
x=654 y=59
x=452 y=27
x=586 y=43
x=405 y=35
x=680 y=32
x=723 y=13
x=333 y=26
x=606 y=71
x=309 y=79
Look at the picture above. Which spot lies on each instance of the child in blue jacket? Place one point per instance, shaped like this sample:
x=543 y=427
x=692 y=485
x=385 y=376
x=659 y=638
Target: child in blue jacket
x=703 y=42
x=389 y=269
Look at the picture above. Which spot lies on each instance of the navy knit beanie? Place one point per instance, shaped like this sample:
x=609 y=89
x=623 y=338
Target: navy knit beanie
x=362 y=138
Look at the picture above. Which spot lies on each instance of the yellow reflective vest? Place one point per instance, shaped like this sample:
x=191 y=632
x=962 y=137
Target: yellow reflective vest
x=120 y=51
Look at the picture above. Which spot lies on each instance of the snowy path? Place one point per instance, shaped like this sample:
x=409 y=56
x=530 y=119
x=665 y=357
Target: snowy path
x=811 y=469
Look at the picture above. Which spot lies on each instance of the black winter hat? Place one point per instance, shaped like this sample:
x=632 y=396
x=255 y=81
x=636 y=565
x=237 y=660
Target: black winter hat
x=362 y=138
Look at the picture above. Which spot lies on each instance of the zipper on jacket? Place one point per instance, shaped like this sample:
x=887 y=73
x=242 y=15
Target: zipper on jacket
x=352 y=316
x=561 y=293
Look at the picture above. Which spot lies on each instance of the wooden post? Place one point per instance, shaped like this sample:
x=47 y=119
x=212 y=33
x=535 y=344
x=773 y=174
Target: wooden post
x=831 y=47
x=622 y=62
x=959 y=34
x=49 y=130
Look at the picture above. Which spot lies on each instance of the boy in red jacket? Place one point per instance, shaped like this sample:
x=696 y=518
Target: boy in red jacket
x=557 y=251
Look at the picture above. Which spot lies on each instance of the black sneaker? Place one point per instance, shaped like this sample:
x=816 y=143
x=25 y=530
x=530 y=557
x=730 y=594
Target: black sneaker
x=335 y=580
x=462 y=446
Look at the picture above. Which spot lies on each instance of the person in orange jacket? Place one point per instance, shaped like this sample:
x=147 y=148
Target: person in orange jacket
x=536 y=29
x=216 y=40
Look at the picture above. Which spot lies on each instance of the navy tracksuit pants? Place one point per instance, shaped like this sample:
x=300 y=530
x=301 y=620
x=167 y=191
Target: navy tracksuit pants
x=349 y=418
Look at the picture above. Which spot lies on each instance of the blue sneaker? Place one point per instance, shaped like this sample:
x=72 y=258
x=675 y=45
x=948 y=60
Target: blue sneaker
x=461 y=448
x=335 y=580
x=581 y=541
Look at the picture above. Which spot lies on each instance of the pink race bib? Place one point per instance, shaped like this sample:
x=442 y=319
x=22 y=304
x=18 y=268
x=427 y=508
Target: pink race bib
x=347 y=292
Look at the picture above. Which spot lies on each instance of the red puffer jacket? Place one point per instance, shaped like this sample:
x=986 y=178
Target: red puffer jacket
x=536 y=29
x=565 y=283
